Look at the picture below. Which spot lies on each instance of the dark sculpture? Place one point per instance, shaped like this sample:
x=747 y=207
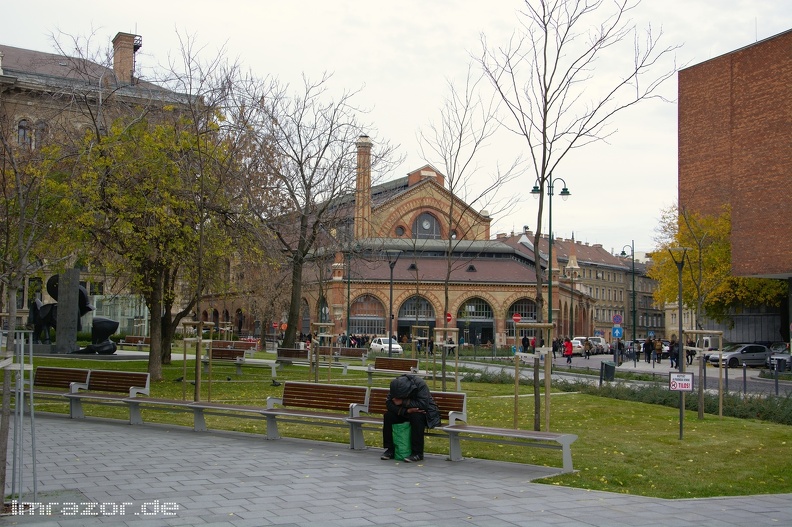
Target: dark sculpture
x=100 y=337
x=45 y=316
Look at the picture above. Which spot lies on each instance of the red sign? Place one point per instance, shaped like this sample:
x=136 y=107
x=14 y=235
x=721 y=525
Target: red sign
x=274 y=325
x=516 y=317
x=448 y=317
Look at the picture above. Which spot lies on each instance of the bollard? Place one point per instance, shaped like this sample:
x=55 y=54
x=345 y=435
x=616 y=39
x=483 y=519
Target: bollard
x=745 y=379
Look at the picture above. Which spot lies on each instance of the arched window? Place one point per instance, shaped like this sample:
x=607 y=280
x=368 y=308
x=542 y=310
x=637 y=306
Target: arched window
x=426 y=226
x=24 y=136
x=416 y=308
x=527 y=310
x=367 y=316
x=40 y=134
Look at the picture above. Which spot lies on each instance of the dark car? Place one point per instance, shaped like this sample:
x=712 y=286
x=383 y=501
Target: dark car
x=735 y=355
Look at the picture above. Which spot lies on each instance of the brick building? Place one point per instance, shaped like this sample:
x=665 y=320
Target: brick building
x=735 y=148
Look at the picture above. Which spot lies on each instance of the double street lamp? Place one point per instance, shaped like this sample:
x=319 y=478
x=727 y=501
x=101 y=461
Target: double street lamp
x=632 y=255
x=393 y=257
x=536 y=191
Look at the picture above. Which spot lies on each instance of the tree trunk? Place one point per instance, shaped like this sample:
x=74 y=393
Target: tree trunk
x=155 y=309
x=295 y=305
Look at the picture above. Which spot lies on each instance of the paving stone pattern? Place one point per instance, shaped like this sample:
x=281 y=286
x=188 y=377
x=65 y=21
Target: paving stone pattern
x=170 y=475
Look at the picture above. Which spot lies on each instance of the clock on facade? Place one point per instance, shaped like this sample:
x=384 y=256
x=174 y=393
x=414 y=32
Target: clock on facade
x=426 y=224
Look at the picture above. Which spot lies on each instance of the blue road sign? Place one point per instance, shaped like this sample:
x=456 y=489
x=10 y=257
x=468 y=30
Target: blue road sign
x=617 y=319
x=617 y=332
x=651 y=334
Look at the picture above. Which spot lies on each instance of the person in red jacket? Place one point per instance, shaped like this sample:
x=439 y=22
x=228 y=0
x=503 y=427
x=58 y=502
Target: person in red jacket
x=568 y=350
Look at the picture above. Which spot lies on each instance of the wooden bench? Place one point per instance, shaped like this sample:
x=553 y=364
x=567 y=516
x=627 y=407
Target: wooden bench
x=236 y=356
x=303 y=356
x=249 y=346
x=323 y=404
x=122 y=384
x=453 y=408
x=51 y=381
x=351 y=353
x=138 y=341
x=391 y=366
x=292 y=354
x=452 y=405
x=509 y=436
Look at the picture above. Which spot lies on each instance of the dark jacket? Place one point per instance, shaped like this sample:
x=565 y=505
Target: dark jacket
x=416 y=394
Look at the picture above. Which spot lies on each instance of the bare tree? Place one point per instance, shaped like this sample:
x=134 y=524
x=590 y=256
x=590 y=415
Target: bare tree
x=555 y=97
x=455 y=144
x=307 y=152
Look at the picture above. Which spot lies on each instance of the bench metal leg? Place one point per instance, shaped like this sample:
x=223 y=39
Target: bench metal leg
x=356 y=439
x=272 y=427
x=454 y=447
x=274 y=369
x=199 y=422
x=75 y=409
x=135 y=417
x=369 y=378
x=239 y=368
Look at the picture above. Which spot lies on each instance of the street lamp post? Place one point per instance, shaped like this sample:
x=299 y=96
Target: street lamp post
x=632 y=255
x=393 y=257
x=536 y=191
x=682 y=252
x=349 y=298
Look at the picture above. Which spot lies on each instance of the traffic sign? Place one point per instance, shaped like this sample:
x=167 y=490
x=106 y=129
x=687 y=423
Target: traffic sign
x=516 y=317
x=274 y=325
x=617 y=319
x=680 y=382
x=651 y=334
x=448 y=317
x=617 y=332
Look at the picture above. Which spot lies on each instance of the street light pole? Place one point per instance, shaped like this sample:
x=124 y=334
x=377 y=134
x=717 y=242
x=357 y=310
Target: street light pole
x=682 y=251
x=632 y=255
x=536 y=192
x=393 y=257
x=349 y=298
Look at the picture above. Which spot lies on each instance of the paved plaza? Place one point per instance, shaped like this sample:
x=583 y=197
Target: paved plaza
x=102 y=472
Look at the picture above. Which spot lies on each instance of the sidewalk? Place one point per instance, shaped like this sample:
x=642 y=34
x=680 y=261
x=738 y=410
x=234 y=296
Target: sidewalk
x=166 y=475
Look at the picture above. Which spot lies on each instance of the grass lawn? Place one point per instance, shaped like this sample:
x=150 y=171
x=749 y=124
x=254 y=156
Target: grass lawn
x=622 y=446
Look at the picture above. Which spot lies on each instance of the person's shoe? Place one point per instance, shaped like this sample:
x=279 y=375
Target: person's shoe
x=388 y=454
x=415 y=458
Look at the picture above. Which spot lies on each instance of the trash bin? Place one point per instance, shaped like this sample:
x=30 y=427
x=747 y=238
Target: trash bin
x=780 y=365
x=514 y=350
x=608 y=370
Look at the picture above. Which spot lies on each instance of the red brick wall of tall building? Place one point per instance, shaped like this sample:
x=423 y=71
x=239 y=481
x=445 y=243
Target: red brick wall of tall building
x=735 y=147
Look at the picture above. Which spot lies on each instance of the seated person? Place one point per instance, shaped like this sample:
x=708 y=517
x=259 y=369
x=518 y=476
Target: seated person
x=409 y=400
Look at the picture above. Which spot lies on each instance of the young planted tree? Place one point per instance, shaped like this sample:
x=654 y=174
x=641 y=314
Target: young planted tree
x=455 y=144
x=556 y=95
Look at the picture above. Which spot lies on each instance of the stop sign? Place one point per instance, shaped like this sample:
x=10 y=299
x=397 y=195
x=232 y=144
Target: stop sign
x=448 y=317
x=516 y=317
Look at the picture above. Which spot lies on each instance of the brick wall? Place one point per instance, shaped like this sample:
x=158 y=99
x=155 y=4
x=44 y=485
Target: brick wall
x=735 y=146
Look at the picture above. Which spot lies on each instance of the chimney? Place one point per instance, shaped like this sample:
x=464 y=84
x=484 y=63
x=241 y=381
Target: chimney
x=363 y=189
x=125 y=45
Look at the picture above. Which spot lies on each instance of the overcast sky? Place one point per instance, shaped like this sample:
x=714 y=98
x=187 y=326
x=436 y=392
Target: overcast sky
x=401 y=55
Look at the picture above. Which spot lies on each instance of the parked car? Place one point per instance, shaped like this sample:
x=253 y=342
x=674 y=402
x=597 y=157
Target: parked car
x=577 y=346
x=600 y=344
x=784 y=355
x=380 y=345
x=735 y=355
x=779 y=347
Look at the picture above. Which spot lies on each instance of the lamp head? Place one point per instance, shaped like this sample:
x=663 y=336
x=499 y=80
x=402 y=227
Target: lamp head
x=565 y=193
x=535 y=191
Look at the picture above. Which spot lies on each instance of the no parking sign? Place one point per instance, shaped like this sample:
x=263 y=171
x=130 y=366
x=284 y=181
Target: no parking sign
x=680 y=382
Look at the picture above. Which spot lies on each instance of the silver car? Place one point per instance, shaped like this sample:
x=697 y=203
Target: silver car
x=784 y=355
x=735 y=355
